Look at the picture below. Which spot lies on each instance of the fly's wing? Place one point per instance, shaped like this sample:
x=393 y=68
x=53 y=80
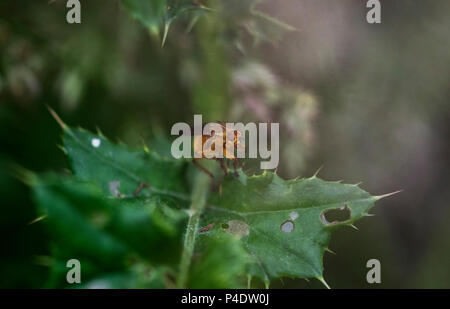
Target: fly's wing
x=198 y=146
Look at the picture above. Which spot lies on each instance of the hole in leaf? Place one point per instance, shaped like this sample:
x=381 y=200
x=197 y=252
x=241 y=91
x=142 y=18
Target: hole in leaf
x=287 y=226
x=335 y=215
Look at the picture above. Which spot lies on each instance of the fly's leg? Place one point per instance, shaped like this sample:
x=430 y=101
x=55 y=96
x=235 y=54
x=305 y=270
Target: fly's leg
x=222 y=166
x=200 y=167
x=207 y=228
x=214 y=187
x=141 y=186
x=235 y=165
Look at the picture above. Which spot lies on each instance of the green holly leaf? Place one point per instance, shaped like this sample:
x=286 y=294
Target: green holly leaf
x=123 y=172
x=278 y=228
x=283 y=224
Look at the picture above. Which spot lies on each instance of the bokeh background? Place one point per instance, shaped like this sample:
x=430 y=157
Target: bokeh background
x=368 y=102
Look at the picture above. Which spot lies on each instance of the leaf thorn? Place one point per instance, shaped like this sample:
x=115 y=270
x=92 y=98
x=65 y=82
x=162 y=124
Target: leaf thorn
x=330 y=251
x=166 y=31
x=99 y=132
x=58 y=120
x=63 y=149
x=317 y=172
x=37 y=219
x=379 y=197
x=321 y=279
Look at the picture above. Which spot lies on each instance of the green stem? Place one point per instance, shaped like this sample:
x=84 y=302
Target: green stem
x=210 y=97
x=198 y=201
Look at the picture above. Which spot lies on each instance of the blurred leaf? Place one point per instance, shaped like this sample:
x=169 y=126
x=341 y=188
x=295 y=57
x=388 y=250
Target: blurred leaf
x=82 y=221
x=71 y=89
x=71 y=209
x=281 y=223
x=154 y=14
x=138 y=278
x=264 y=27
x=219 y=263
x=177 y=8
x=261 y=26
x=95 y=276
x=150 y=228
x=148 y=12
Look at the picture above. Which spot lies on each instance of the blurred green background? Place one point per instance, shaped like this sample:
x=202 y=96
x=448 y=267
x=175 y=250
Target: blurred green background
x=369 y=102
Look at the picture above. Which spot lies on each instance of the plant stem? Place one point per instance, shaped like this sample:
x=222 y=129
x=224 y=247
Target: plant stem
x=199 y=195
x=212 y=87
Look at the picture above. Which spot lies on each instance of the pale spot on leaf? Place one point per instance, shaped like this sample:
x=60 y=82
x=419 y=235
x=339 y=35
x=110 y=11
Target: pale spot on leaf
x=114 y=188
x=95 y=142
x=237 y=228
x=293 y=215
